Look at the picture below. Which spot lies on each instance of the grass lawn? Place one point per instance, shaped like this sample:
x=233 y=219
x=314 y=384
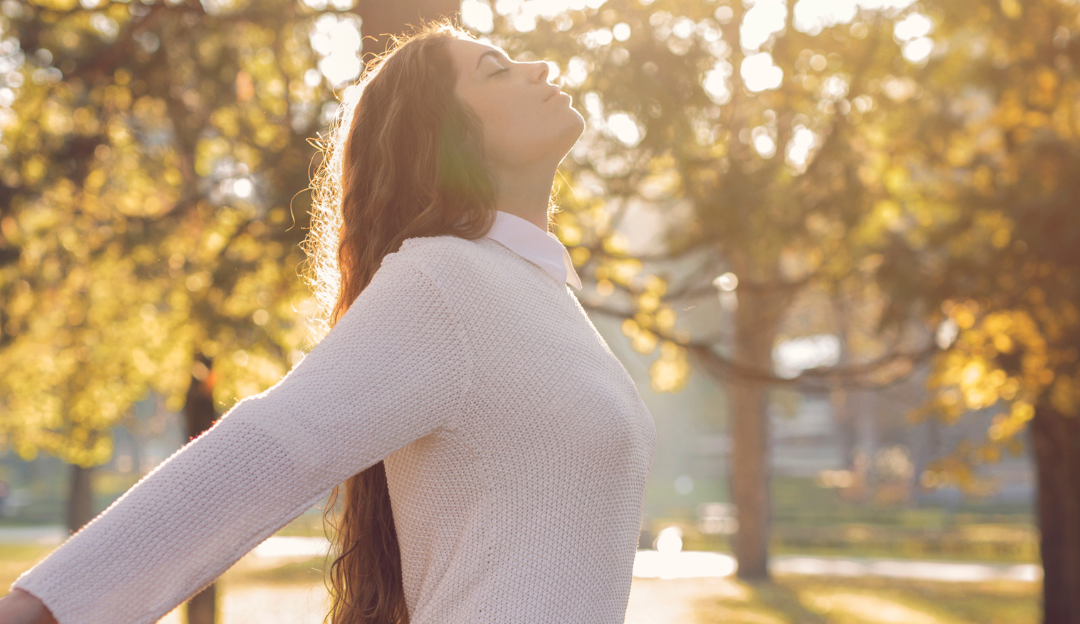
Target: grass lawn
x=825 y=600
x=16 y=559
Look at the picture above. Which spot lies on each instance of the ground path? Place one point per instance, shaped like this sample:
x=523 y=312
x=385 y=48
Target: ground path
x=665 y=589
x=670 y=566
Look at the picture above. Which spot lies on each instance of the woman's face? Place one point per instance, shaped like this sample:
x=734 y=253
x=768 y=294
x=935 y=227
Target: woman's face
x=527 y=120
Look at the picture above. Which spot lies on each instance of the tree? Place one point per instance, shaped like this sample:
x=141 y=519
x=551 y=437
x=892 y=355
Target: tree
x=152 y=154
x=762 y=147
x=994 y=255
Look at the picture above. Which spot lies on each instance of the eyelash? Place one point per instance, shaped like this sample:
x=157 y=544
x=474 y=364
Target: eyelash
x=504 y=69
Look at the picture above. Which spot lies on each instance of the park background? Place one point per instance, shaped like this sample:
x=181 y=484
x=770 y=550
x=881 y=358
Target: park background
x=835 y=243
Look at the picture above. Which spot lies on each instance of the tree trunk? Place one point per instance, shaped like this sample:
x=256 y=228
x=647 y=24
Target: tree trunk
x=756 y=321
x=80 y=507
x=842 y=409
x=846 y=430
x=203 y=606
x=1056 y=440
x=199 y=415
x=381 y=19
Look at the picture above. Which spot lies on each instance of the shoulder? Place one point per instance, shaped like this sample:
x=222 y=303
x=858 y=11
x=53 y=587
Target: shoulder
x=424 y=246
x=445 y=259
x=430 y=269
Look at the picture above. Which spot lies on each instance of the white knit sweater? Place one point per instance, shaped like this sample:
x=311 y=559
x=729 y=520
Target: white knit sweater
x=516 y=447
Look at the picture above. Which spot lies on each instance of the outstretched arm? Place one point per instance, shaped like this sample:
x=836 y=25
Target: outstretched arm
x=20 y=607
x=393 y=370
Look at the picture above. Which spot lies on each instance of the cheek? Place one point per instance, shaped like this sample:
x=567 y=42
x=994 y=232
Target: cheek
x=506 y=119
x=508 y=130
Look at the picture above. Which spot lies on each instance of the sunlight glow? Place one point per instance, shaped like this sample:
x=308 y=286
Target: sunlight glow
x=759 y=73
x=893 y=568
x=242 y=187
x=577 y=70
x=524 y=22
x=764 y=18
x=624 y=128
x=763 y=142
x=683 y=564
x=669 y=540
x=946 y=333
x=835 y=87
x=554 y=71
x=802 y=141
x=918 y=50
x=277 y=546
x=761 y=21
x=338 y=42
x=716 y=83
x=524 y=13
x=912 y=26
x=912 y=31
x=477 y=14
x=670 y=561
x=727 y=282
x=596 y=38
x=105 y=25
x=792 y=356
x=812 y=16
x=899 y=89
x=321 y=5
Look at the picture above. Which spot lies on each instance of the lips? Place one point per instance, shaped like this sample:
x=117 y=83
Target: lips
x=555 y=90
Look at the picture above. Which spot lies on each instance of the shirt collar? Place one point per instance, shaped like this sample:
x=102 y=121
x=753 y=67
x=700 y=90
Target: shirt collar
x=538 y=246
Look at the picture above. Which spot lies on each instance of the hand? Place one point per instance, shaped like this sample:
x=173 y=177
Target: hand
x=20 y=607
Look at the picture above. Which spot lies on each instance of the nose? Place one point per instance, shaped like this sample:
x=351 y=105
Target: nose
x=541 y=71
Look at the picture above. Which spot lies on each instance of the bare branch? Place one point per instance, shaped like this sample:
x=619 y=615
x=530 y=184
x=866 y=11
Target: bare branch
x=810 y=380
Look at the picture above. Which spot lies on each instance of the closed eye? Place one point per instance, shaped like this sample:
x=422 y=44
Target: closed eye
x=495 y=56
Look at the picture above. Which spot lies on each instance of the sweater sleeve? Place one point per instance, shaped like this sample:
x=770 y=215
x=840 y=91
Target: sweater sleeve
x=392 y=370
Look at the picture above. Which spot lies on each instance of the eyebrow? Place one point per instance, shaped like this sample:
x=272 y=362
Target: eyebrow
x=492 y=53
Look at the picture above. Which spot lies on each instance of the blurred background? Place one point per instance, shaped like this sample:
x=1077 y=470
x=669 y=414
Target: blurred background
x=836 y=243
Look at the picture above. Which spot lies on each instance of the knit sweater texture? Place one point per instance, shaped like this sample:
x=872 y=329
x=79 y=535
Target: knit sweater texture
x=516 y=447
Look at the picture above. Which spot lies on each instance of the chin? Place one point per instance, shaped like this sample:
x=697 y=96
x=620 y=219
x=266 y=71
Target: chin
x=579 y=121
x=573 y=130
x=551 y=142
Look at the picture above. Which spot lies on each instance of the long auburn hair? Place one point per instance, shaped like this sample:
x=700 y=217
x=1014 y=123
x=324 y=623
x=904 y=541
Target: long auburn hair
x=403 y=158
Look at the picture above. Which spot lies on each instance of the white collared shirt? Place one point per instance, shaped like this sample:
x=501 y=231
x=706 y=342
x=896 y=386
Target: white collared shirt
x=538 y=246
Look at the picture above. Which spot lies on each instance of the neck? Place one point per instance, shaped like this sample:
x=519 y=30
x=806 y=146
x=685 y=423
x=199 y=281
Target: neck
x=525 y=193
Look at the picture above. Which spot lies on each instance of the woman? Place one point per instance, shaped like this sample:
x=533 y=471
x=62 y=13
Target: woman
x=493 y=452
